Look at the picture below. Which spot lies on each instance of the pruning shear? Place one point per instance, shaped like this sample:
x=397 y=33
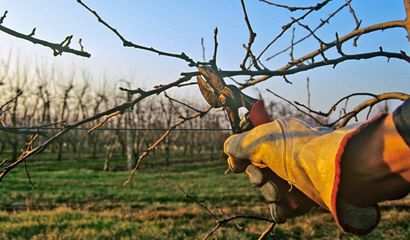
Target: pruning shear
x=219 y=94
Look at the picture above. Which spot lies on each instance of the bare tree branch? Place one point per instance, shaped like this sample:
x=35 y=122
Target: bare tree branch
x=265 y=73
x=407 y=20
x=57 y=48
x=127 y=43
x=344 y=119
x=335 y=105
x=342 y=39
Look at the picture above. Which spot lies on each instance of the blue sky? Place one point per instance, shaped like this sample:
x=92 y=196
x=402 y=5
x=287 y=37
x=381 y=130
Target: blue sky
x=178 y=25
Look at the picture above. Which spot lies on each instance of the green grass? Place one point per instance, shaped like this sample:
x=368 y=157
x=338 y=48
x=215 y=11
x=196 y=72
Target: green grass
x=69 y=201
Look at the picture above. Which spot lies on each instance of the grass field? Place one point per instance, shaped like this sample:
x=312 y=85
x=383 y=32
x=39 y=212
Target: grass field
x=68 y=201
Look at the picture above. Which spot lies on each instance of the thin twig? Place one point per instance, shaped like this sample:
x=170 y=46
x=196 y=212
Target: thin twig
x=308 y=91
x=159 y=140
x=182 y=103
x=357 y=21
x=252 y=35
x=312 y=33
x=316 y=7
x=267 y=231
x=292 y=49
x=203 y=49
x=226 y=220
x=29 y=146
x=286 y=27
x=106 y=119
x=297 y=108
x=215 y=54
x=11 y=100
x=322 y=23
x=3 y=16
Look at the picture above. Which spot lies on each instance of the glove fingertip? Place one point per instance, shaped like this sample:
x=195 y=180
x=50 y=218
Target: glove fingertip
x=230 y=145
x=255 y=175
x=237 y=166
x=278 y=213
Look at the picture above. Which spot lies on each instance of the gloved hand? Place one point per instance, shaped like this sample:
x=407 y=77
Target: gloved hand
x=284 y=200
x=298 y=167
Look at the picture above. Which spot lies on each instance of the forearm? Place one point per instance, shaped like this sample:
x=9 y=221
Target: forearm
x=378 y=159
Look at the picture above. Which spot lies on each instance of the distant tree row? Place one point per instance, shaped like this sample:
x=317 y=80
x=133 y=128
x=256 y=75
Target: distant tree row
x=47 y=100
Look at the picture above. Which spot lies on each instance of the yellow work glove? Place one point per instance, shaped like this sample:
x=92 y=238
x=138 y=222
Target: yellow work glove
x=305 y=165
